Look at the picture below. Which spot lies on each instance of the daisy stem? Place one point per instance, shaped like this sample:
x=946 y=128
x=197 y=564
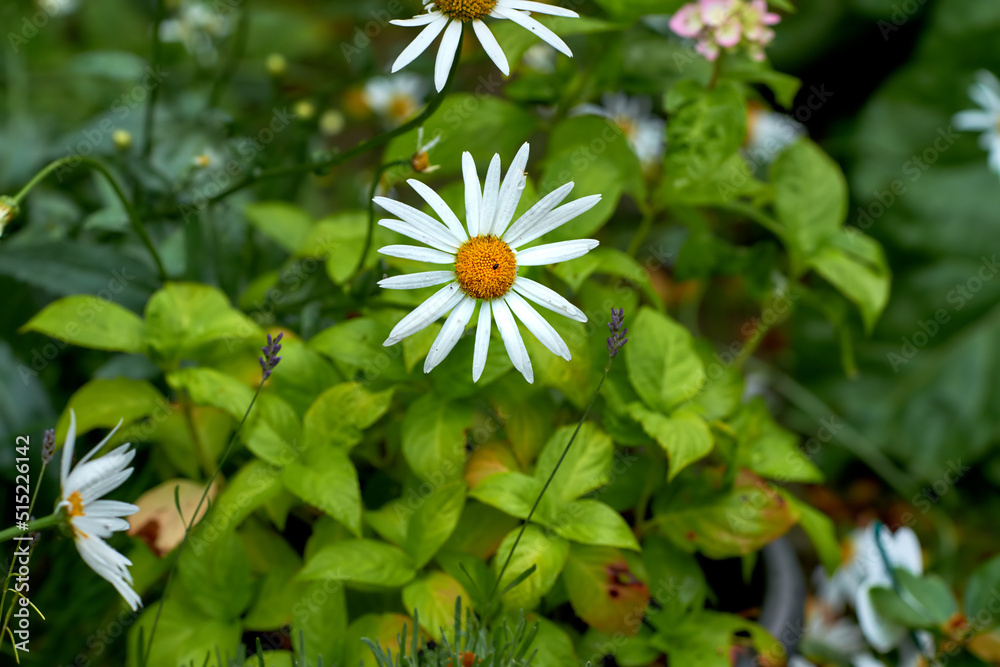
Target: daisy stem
x=645 y=225
x=190 y=526
x=371 y=208
x=37 y=524
x=97 y=165
x=552 y=475
x=346 y=156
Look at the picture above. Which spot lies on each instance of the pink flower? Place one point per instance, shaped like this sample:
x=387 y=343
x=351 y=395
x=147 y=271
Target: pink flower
x=716 y=12
x=687 y=21
x=729 y=33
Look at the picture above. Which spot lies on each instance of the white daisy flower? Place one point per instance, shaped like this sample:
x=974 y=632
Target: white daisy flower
x=985 y=93
x=903 y=551
x=634 y=117
x=769 y=133
x=448 y=16
x=58 y=7
x=197 y=26
x=94 y=520
x=485 y=255
x=395 y=99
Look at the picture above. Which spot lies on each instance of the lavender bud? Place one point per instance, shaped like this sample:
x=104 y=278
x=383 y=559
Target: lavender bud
x=617 y=338
x=48 y=445
x=270 y=359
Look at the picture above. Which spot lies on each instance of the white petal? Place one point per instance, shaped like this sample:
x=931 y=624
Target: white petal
x=525 y=21
x=67 y=456
x=94 y=553
x=537 y=325
x=429 y=311
x=419 y=233
x=420 y=44
x=881 y=633
x=110 y=508
x=452 y=330
x=104 y=485
x=441 y=208
x=420 y=220
x=534 y=215
x=541 y=8
x=903 y=549
x=556 y=219
x=89 y=476
x=482 y=341
x=422 y=19
x=491 y=192
x=986 y=91
x=512 y=339
x=419 y=254
x=975 y=120
x=473 y=194
x=551 y=253
x=510 y=191
x=491 y=46
x=447 y=52
x=547 y=298
x=416 y=280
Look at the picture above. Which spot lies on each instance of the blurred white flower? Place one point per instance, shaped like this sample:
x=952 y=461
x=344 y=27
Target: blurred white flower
x=197 y=26
x=541 y=57
x=58 y=7
x=395 y=99
x=769 y=133
x=986 y=93
x=634 y=117
x=94 y=520
x=481 y=259
x=448 y=16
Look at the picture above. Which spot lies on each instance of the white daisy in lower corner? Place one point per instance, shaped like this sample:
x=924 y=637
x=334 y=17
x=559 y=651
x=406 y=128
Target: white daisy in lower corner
x=448 y=16
x=986 y=93
x=94 y=520
x=483 y=257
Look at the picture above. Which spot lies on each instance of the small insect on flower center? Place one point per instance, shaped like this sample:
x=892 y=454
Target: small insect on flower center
x=485 y=267
x=75 y=504
x=465 y=10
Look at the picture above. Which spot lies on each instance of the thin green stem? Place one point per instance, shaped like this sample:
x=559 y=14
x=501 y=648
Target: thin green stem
x=371 y=209
x=716 y=70
x=156 y=56
x=100 y=167
x=645 y=225
x=347 y=156
x=552 y=475
x=761 y=331
x=189 y=526
x=37 y=524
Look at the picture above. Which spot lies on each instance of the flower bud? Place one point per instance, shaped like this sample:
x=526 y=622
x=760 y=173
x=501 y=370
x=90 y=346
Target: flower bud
x=276 y=64
x=331 y=122
x=304 y=110
x=122 y=139
x=8 y=211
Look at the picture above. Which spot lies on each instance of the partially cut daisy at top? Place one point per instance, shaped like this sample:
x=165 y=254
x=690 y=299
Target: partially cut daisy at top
x=94 y=520
x=448 y=16
x=482 y=259
x=986 y=93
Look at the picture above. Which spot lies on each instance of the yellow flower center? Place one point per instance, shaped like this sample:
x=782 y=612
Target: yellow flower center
x=401 y=107
x=465 y=10
x=486 y=267
x=627 y=126
x=75 y=504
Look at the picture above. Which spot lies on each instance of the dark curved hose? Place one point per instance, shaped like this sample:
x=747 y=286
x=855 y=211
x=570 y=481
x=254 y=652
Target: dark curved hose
x=783 y=612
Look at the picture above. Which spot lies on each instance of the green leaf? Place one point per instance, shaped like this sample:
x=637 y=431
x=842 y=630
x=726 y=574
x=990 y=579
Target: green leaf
x=768 y=449
x=326 y=478
x=182 y=317
x=684 y=435
x=433 y=436
x=586 y=467
x=604 y=591
x=251 y=487
x=810 y=196
x=381 y=628
x=89 y=321
x=706 y=127
x=339 y=239
x=737 y=522
x=676 y=580
x=512 y=492
x=821 y=531
x=193 y=636
x=340 y=414
x=922 y=601
x=547 y=553
x=434 y=522
x=857 y=268
x=551 y=645
x=980 y=591
x=102 y=403
x=215 y=570
x=661 y=361
x=321 y=617
x=286 y=224
x=366 y=562
x=433 y=596
x=207 y=386
x=705 y=639
x=592 y=522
